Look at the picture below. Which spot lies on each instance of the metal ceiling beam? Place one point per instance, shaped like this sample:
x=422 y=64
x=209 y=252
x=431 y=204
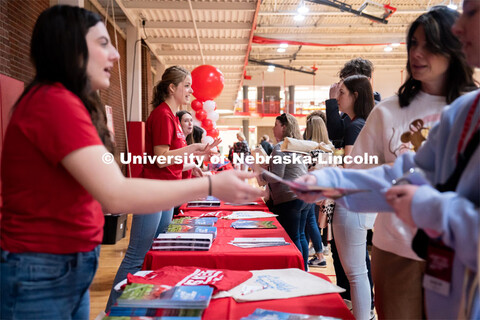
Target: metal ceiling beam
x=200 y=25
x=346 y=7
x=197 y=62
x=183 y=5
x=293 y=12
x=264 y=63
x=225 y=53
x=194 y=40
x=332 y=26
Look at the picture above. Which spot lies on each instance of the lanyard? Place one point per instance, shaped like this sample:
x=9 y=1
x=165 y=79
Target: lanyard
x=468 y=121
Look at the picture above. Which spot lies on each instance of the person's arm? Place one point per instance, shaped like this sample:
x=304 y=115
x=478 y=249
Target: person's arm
x=116 y=193
x=335 y=126
x=377 y=181
x=447 y=215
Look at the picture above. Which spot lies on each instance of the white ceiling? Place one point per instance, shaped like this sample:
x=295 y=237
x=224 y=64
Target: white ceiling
x=217 y=32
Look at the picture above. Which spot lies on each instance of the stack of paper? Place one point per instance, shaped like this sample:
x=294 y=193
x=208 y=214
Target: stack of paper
x=258 y=242
x=183 y=241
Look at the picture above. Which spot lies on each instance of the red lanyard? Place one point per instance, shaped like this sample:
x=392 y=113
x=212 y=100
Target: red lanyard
x=468 y=121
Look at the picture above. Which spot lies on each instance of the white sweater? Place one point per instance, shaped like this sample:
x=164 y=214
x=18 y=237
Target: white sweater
x=382 y=136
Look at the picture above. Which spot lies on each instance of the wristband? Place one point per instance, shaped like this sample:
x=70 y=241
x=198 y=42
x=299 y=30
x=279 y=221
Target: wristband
x=209 y=185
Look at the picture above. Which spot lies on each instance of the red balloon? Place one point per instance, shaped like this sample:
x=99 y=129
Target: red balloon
x=207 y=82
x=213 y=133
x=201 y=114
x=207 y=124
x=196 y=105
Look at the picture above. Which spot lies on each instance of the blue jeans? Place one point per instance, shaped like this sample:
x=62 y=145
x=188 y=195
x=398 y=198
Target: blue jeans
x=350 y=231
x=46 y=286
x=312 y=231
x=145 y=227
x=292 y=215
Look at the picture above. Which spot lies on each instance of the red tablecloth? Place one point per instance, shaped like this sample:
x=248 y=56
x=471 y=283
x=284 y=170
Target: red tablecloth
x=261 y=206
x=226 y=256
x=331 y=305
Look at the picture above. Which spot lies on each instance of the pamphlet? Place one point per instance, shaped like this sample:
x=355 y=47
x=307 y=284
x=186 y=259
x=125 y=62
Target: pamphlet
x=253 y=224
x=262 y=314
x=205 y=221
x=332 y=193
x=141 y=295
x=259 y=242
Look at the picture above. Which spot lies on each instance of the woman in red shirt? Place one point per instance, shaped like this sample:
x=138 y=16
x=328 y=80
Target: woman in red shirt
x=164 y=137
x=57 y=173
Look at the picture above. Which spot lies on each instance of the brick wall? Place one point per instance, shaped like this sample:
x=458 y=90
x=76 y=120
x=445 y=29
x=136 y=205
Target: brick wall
x=17 y=18
x=147 y=83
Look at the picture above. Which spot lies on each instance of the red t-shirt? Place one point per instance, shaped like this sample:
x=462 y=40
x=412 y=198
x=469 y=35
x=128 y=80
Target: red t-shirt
x=163 y=128
x=219 y=279
x=187 y=174
x=44 y=208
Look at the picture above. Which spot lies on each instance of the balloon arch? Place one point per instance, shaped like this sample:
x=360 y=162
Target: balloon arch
x=207 y=84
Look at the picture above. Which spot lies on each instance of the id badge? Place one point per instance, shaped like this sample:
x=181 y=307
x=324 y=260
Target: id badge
x=438 y=273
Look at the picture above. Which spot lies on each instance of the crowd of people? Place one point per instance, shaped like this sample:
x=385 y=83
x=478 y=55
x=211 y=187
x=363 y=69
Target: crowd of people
x=55 y=184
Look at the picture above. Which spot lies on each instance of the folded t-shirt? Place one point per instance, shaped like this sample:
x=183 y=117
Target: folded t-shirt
x=218 y=279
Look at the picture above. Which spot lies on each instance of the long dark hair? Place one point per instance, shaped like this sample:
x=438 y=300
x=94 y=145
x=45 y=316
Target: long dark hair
x=180 y=115
x=364 y=101
x=59 y=52
x=437 y=24
x=175 y=75
x=195 y=136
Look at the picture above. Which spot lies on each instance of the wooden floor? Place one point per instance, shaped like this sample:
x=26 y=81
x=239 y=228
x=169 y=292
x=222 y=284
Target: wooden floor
x=110 y=258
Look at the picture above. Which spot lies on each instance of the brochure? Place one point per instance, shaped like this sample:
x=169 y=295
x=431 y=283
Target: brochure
x=141 y=295
x=205 y=221
x=117 y=311
x=263 y=314
x=332 y=193
x=253 y=224
x=192 y=229
x=259 y=242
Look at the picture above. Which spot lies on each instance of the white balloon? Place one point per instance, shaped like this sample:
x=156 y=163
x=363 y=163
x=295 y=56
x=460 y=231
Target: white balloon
x=197 y=122
x=207 y=139
x=209 y=106
x=213 y=116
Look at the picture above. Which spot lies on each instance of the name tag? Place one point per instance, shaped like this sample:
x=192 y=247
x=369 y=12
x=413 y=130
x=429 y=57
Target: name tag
x=438 y=274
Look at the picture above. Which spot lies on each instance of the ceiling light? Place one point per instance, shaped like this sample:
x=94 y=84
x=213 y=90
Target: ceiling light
x=387 y=49
x=271 y=68
x=223 y=111
x=395 y=44
x=303 y=9
x=283 y=45
x=299 y=17
x=281 y=50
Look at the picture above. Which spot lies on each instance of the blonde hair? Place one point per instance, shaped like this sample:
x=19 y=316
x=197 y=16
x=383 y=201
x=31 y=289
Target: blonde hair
x=316 y=130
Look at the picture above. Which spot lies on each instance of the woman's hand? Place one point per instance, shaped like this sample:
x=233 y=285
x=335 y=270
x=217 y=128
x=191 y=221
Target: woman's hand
x=206 y=149
x=400 y=198
x=230 y=186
